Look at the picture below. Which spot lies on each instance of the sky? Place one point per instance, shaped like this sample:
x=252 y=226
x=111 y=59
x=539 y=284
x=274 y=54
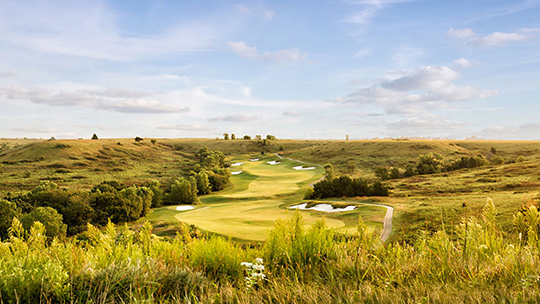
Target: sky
x=303 y=69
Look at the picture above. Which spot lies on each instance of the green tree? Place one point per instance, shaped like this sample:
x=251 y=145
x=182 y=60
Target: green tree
x=247 y=137
x=94 y=136
x=382 y=173
x=493 y=150
x=233 y=137
x=50 y=218
x=157 y=196
x=429 y=163
x=329 y=172
x=270 y=137
x=258 y=137
x=183 y=191
x=138 y=139
x=153 y=141
x=8 y=211
x=203 y=183
x=226 y=136
x=395 y=173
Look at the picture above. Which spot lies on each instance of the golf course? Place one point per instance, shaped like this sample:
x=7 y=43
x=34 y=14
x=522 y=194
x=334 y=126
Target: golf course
x=262 y=191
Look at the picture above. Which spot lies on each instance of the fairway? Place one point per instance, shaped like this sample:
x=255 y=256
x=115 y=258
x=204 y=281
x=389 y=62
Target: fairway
x=260 y=195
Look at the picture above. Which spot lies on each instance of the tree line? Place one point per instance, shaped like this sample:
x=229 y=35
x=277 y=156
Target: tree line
x=68 y=212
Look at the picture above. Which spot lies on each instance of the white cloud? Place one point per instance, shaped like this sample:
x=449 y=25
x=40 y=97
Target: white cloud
x=246 y=91
x=185 y=128
x=292 y=113
x=370 y=8
x=242 y=9
x=419 y=91
x=91 y=29
x=362 y=53
x=34 y=130
x=428 y=125
x=268 y=15
x=461 y=33
x=125 y=101
x=463 y=62
x=502 y=39
x=242 y=49
x=286 y=55
x=8 y=74
x=524 y=131
x=495 y=38
x=235 y=118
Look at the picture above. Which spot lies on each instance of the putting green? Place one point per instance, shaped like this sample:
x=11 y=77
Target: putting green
x=261 y=194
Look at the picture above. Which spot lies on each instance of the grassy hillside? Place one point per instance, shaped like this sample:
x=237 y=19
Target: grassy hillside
x=421 y=202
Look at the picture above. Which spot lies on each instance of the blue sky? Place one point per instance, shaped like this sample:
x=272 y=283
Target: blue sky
x=295 y=69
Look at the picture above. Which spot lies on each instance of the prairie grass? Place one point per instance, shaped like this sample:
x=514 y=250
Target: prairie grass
x=303 y=265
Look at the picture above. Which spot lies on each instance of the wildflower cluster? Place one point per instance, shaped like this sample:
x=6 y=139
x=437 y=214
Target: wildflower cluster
x=254 y=273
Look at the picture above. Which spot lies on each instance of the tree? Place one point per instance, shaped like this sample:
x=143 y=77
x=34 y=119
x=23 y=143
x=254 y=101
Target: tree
x=258 y=137
x=233 y=137
x=8 y=211
x=378 y=189
x=183 y=191
x=50 y=218
x=153 y=141
x=493 y=150
x=382 y=173
x=395 y=173
x=226 y=136
x=270 y=137
x=203 y=183
x=346 y=137
x=138 y=139
x=247 y=137
x=329 y=172
x=429 y=163
x=94 y=136
x=157 y=196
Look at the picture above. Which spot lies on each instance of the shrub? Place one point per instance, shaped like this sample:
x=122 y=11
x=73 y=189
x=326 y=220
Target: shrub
x=95 y=137
x=49 y=217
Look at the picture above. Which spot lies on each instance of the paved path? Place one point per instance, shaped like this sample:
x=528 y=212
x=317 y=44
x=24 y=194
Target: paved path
x=387 y=223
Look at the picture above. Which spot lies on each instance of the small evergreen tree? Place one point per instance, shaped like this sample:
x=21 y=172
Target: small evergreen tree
x=94 y=136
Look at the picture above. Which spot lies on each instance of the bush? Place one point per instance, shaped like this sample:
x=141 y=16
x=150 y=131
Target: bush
x=8 y=211
x=183 y=191
x=94 y=136
x=49 y=217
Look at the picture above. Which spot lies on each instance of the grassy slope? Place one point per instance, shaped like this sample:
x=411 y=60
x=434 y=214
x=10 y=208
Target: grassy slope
x=420 y=201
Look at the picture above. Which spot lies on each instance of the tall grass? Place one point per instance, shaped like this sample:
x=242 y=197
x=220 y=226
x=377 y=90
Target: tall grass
x=472 y=262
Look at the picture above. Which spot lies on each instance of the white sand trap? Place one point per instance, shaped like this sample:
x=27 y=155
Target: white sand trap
x=236 y=164
x=236 y=172
x=323 y=208
x=255 y=159
x=273 y=162
x=184 y=208
x=303 y=168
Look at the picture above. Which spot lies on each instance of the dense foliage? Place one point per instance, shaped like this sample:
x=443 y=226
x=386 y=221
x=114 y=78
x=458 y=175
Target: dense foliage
x=344 y=186
x=471 y=262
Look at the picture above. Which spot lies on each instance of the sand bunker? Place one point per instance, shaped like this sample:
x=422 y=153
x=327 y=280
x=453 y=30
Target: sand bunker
x=323 y=208
x=255 y=159
x=303 y=168
x=184 y=208
x=236 y=172
x=273 y=162
x=236 y=164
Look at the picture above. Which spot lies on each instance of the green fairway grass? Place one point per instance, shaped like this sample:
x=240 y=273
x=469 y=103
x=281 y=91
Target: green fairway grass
x=261 y=194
